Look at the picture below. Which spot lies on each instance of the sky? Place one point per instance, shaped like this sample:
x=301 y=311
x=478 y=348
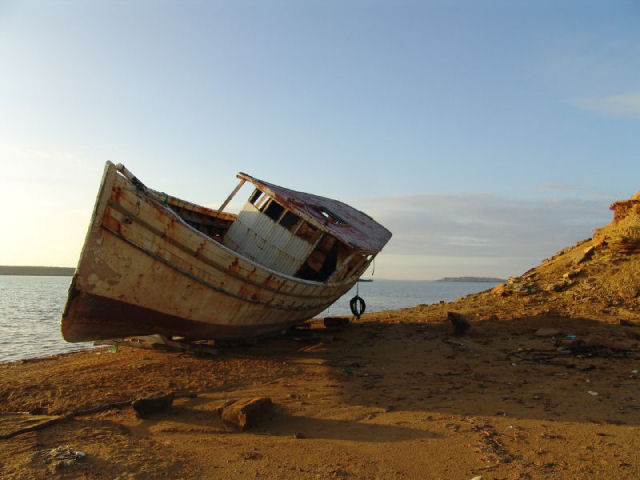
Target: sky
x=485 y=135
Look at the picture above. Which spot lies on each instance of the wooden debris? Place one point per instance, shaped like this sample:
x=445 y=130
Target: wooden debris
x=15 y=423
x=335 y=322
x=152 y=404
x=247 y=413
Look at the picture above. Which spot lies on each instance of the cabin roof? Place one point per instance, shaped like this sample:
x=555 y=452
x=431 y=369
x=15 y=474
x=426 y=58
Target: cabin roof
x=344 y=222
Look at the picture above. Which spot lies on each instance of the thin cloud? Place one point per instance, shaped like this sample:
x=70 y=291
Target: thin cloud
x=487 y=226
x=560 y=187
x=627 y=104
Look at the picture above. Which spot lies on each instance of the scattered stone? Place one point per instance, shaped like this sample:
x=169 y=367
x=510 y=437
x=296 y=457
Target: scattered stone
x=298 y=435
x=477 y=477
x=592 y=393
x=152 y=404
x=247 y=413
x=460 y=322
x=60 y=457
x=547 y=332
x=585 y=255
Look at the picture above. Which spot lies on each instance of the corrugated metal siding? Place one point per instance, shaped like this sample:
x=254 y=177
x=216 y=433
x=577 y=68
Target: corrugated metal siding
x=259 y=238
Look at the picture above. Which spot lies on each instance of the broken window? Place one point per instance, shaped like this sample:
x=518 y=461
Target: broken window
x=322 y=261
x=308 y=232
x=255 y=196
x=329 y=215
x=289 y=220
x=273 y=210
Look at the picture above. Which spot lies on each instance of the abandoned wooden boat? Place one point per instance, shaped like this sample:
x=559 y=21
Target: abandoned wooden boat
x=155 y=264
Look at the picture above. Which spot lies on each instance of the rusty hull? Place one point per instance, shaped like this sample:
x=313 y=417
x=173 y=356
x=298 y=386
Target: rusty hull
x=144 y=270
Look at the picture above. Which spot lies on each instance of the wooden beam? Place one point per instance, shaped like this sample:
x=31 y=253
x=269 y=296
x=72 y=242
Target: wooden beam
x=230 y=197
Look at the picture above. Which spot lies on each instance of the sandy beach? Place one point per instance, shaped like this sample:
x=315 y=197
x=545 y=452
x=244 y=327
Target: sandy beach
x=545 y=384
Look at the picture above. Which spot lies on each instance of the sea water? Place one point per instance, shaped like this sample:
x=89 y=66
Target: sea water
x=381 y=295
x=30 y=309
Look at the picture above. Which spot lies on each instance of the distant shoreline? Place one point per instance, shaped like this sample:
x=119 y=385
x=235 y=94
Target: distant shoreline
x=472 y=279
x=37 y=271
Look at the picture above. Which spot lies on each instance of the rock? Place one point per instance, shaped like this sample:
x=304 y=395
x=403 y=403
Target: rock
x=335 y=322
x=478 y=477
x=525 y=288
x=547 y=332
x=460 y=322
x=585 y=255
x=247 y=413
x=558 y=286
x=500 y=290
x=152 y=404
x=571 y=274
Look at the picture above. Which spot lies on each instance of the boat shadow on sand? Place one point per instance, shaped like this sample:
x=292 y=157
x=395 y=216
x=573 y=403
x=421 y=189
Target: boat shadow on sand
x=546 y=368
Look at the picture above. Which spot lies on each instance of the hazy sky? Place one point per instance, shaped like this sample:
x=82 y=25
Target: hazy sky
x=484 y=135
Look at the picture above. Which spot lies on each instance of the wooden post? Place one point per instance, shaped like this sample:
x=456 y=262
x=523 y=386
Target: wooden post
x=230 y=197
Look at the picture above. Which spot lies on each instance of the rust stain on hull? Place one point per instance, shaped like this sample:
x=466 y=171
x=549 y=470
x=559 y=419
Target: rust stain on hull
x=100 y=318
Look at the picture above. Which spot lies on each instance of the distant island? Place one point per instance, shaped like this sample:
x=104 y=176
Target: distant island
x=472 y=279
x=37 y=271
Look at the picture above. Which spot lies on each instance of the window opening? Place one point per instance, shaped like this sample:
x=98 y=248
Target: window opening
x=289 y=220
x=332 y=217
x=322 y=262
x=308 y=232
x=274 y=210
x=255 y=196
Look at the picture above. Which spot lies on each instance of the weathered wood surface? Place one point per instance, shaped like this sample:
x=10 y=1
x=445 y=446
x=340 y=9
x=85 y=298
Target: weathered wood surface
x=143 y=270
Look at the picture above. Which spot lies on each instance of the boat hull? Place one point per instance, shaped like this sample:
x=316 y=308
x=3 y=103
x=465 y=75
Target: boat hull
x=143 y=271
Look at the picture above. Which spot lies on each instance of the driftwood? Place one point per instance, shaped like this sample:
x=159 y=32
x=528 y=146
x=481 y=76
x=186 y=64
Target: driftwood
x=54 y=419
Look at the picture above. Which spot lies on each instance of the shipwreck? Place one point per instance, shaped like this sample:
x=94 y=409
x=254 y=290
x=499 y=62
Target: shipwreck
x=155 y=264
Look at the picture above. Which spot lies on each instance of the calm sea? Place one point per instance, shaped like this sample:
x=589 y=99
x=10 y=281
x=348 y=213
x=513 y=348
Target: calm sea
x=30 y=309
